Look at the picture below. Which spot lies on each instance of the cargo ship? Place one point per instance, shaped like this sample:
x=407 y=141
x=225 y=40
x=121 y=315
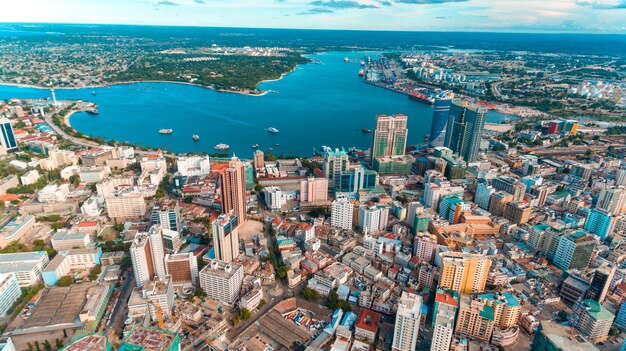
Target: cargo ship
x=221 y=147
x=165 y=131
x=421 y=97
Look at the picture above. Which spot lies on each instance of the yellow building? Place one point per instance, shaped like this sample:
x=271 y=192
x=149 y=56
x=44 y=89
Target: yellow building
x=480 y=315
x=464 y=273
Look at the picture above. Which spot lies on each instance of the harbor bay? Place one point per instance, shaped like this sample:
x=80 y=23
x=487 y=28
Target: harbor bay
x=321 y=103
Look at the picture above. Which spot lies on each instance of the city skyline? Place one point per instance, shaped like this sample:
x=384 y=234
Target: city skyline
x=584 y=16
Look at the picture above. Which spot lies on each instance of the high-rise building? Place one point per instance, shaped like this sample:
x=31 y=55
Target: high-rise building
x=225 y=237
x=171 y=240
x=147 y=255
x=465 y=129
x=498 y=201
x=314 y=190
x=600 y=222
x=222 y=281
x=441 y=113
x=373 y=218
x=511 y=186
x=591 y=319
x=259 y=159
x=421 y=222
x=412 y=209
x=552 y=336
x=390 y=136
x=167 y=216
x=183 y=268
x=464 y=273
x=9 y=292
x=357 y=179
x=160 y=292
x=233 y=183
x=517 y=212
x=434 y=191
x=7 y=138
x=274 y=198
x=481 y=315
x=444 y=316
x=407 y=324
x=601 y=282
x=341 y=213
x=574 y=251
x=193 y=165
x=425 y=246
x=451 y=208
x=335 y=162
x=483 y=195
x=612 y=200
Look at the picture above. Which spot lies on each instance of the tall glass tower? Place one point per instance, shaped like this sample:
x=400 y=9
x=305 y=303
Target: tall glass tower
x=440 y=121
x=465 y=128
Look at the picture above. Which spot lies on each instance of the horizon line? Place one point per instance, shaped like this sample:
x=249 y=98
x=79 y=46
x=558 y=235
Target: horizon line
x=504 y=31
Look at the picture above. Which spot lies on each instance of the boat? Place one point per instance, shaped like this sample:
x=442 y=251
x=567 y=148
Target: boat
x=255 y=146
x=361 y=72
x=94 y=93
x=93 y=111
x=365 y=130
x=271 y=149
x=195 y=137
x=345 y=59
x=165 y=131
x=273 y=130
x=421 y=97
x=277 y=144
x=221 y=147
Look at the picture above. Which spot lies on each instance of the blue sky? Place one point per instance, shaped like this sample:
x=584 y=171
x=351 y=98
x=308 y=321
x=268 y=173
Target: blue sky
x=595 y=16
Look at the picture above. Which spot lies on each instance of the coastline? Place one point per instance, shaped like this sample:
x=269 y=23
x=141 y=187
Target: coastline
x=261 y=92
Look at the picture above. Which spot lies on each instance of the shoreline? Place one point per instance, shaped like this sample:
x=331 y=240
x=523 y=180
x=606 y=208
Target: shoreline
x=99 y=86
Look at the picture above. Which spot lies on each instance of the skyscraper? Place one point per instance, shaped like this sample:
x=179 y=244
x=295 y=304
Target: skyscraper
x=7 y=138
x=166 y=216
x=613 y=200
x=574 y=251
x=233 y=183
x=601 y=282
x=464 y=273
x=440 y=121
x=600 y=222
x=259 y=159
x=225 y=237
x=407 y=324
x=341 y=213
x=335 y=162
x=390 y=136
x=147 y=255
x=465 y=128
x=444 y=316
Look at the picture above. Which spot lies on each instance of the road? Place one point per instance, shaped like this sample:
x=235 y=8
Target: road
x=63 y=134
x=119 y=313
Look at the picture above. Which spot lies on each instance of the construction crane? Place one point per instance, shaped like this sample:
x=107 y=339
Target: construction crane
x=159 y=313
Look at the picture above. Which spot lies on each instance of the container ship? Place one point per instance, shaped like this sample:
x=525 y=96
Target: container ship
x=423 y=98
x=165 y=131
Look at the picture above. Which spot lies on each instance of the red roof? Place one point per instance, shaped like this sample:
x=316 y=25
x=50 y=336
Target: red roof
x=88 y=224
x=446 y=297
x=219 y=166
x=9 y=197
x=368 y=320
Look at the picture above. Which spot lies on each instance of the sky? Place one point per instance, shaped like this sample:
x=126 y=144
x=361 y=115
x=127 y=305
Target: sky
x=589 y=16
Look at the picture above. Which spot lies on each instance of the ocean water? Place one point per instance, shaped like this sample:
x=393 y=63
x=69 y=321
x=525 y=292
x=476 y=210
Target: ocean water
x=317 y=104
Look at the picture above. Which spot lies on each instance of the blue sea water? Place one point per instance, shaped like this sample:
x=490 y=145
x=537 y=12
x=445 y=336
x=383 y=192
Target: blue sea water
x=317 y=104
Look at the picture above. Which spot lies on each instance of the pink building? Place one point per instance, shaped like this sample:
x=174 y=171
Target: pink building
x=314 y=190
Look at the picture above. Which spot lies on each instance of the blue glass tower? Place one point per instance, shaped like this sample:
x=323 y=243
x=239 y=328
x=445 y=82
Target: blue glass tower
x=7 y=138
x=440 y=120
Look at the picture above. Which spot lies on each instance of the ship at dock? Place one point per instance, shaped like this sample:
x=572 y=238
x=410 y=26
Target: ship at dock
x=422 y=97
x=166 y=131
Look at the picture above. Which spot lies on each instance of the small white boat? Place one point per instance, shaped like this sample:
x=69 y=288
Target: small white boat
x=166 y=131
x=221 y=147
x=273 y=130
x=195 y=137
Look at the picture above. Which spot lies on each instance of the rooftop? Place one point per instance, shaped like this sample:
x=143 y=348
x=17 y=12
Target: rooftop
x=153 y=339
x=368 y=320
x=597 y=311
x=565 y=337
x=92 y=342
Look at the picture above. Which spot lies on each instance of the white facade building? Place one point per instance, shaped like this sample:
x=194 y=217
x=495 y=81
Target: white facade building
x=274 y=198
x=341 y=213
x=407 y=322
x=222 y=281
x=193 y=165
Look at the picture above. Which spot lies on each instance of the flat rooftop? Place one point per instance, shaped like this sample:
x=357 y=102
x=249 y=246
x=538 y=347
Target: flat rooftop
x=88 y=343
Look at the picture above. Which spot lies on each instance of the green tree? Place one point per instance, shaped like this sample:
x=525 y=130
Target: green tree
x=37 y=346
x=58 y=343
x=47 y=346
x=188 y=199
x=75 y=180
x=245 y=314
x=262 y=303
x=65 y=280
x=200 y=293
x=30 y=346
x=310 y=294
